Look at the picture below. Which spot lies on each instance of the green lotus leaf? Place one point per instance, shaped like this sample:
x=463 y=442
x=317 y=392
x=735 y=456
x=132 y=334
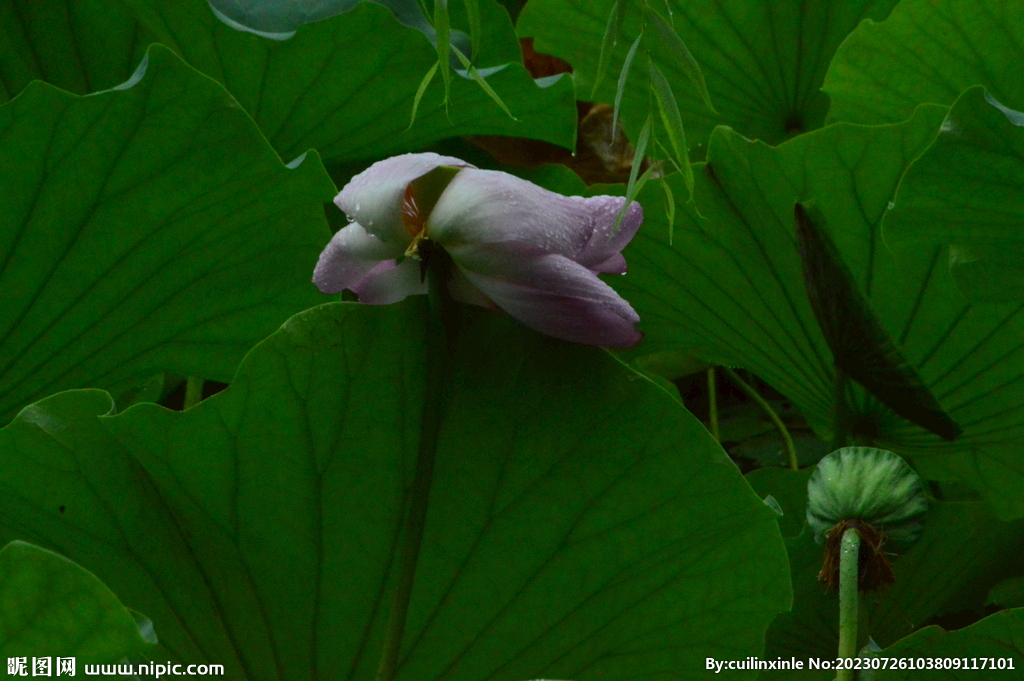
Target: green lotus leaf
x=279 y=19
x=345 y=85
x=81 y=46
x=51 y=607
x=927 y=51
x=995 y=643
x=581 y=524
x=145 y=229
x=728 y=286
x=1008 y=593
x=764 y=62
x=965 y=191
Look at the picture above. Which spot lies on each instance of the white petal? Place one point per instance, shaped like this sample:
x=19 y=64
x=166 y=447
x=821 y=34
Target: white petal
x=551 y=294
x=613 y=265
x=373 y=198
x=463 y=290
x=349 y=257
x=487 y=206
x=389 y=283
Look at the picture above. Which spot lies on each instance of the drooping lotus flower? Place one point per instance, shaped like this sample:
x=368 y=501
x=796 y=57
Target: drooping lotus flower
x=515 y=246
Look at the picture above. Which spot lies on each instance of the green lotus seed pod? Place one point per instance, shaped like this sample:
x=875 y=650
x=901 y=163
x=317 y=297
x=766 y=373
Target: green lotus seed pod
x=867 y=484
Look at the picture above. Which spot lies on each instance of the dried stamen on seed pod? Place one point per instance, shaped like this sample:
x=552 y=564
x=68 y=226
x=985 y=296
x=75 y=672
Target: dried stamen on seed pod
x=874 y=568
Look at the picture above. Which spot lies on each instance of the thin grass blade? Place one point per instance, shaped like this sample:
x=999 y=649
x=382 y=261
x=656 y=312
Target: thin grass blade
x=443 y=29
x=608 y=42
x=634 y=185
x=670 y=210
x=475 y=32
x=668 y=108
x=481 y=81
x=626 y=65
x=678 y=51
x=420 y=90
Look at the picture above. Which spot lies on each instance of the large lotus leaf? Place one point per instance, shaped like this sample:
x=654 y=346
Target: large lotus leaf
x=992 y=649
x=731 y=290
x=764 y=62
x=280 y=19
x=963 y=552
x=143 y=229
x=345 y=85
x=959 y=557
x=789 y=489
x=966 y=190
x=1008 y=593
x=50 y=607
x=811 y=628
x=80 y=46
x=284 y=16
x=927 y=51
x=581 y=524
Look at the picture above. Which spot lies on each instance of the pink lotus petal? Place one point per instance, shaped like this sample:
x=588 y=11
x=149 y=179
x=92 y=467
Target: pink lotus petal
x=463 y=290
x=613 y=265
x=373 y=198
x=389 y=283
x=487 y=206
x=349 y=257
x=529 y=251
x=551 y=294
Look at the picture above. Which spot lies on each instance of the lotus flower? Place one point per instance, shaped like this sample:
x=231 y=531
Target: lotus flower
x=515 y=246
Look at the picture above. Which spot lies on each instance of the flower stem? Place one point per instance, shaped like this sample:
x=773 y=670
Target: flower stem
x=442 y=327
x=193 y=392
x=787 y=441
x=849 y=562
x=713 y=404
